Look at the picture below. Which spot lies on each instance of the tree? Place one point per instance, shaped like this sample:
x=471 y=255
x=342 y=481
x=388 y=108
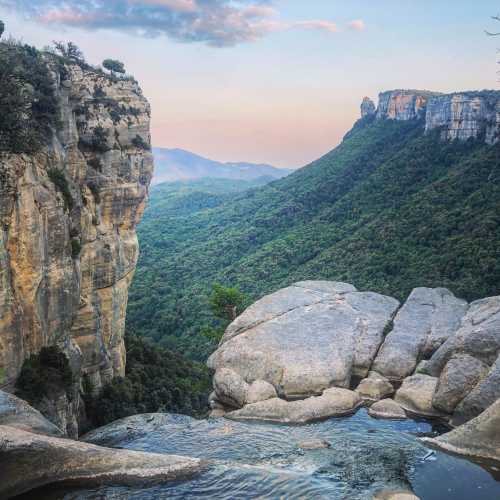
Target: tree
x=113 y=66
x=69 y=51
x=226 y=303
x=2 y=28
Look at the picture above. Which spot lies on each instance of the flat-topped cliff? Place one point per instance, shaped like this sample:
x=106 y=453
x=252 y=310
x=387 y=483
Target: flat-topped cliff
x=68 y=245
x=460 y=115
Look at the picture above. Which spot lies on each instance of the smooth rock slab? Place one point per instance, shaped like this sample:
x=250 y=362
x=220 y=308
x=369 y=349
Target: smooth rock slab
x=28 y=461
x=478 y=438
x=230 y=388
x=17 y=413
x=334 y=402
x=416 y=393
x=306 y=338
x=426 y=320
x=387 y=408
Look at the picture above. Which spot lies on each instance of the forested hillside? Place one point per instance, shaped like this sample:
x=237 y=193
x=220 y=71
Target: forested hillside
x=389 y=209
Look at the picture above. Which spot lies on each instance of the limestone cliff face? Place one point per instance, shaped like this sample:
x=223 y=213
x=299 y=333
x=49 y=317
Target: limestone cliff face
x=66 y=260
x=459 y=115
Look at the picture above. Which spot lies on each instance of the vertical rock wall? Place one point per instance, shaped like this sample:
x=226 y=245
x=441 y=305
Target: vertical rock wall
x=66 y=262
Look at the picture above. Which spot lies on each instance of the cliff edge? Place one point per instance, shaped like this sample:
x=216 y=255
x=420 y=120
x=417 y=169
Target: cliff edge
x=68 y=244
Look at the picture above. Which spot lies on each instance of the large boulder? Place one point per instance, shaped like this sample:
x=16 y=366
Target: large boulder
x=30 y=460
x=427 y=319
x=460 y=375
x=416 y=393
x=17 y=413
x=478 y=336
x=334 y=402
x=484 y=394
x=478 y=438
x=306 y=338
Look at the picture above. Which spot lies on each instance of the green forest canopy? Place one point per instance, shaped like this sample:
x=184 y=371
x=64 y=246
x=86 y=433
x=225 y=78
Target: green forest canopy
x=389 y=209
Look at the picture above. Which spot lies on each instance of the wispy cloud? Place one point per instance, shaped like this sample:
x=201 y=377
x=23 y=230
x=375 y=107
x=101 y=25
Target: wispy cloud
x=218 y=23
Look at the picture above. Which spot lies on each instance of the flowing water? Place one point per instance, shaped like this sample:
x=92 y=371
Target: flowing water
x=266 y=461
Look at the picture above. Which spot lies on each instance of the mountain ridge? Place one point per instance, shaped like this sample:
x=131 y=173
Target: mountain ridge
x=179 y=164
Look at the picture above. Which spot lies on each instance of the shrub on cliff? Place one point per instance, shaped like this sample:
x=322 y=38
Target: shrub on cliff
x=44 y=374
x=28 y=105
x=61 y=183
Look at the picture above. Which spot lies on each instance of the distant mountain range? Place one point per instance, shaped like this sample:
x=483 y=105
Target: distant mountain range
x=178 y=164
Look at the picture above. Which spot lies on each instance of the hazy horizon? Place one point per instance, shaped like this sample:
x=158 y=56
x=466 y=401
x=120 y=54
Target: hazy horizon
x=269 y=82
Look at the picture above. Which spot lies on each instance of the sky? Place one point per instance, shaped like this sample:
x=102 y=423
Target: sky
x=278 y=82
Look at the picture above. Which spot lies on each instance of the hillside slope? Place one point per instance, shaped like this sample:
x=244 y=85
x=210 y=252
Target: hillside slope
x=177 y=164
x=389 y=209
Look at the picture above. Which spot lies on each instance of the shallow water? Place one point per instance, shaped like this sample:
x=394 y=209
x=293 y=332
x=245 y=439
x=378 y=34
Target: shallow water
x=265 y=461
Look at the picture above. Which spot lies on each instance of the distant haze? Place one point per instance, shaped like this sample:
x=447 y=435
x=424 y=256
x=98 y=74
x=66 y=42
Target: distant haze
x=178 y=164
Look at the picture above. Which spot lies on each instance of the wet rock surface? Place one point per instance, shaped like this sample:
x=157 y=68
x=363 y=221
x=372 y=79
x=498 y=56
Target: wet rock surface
x=387 y=408
x=30 y=460
x=261 y=460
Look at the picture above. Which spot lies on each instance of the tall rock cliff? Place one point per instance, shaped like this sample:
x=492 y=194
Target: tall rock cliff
x=68 y=245
x=460 y=116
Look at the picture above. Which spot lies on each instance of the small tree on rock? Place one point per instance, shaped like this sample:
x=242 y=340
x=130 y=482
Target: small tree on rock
x=69 y=51
x=113 y=66
x=226 y=303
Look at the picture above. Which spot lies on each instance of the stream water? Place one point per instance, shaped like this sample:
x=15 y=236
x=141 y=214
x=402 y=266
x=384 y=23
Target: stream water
x=266 y=461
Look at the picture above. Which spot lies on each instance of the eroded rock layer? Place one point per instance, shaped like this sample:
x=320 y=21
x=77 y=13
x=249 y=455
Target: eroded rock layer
x=68 y=246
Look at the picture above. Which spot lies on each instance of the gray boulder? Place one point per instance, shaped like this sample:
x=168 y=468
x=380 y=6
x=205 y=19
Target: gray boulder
x=387 y=408
x=426 y=320
x=478 y=438
x=460 y=375
x=478 y=336
x=334 y=402
x=306 y=338
x=374 y=387
x=17 y=413
x=230 y=388
x=30 y=460
x=260 y=390
x=416 y=393
x=484 y=394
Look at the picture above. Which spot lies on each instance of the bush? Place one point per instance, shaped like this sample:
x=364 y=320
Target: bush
x=140 y=143
x=59 y=180
x=43 y=375
x=113 y=66
x=28 y=105
x=98 y=142
x=76 y=248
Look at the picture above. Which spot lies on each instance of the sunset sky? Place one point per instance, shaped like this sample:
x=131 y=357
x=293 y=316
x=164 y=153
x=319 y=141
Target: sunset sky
x=270 y=81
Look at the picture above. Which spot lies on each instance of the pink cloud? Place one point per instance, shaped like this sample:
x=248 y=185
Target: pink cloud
x=65 y=16
x=175 y=5
x=328 y=26
x=357 y=25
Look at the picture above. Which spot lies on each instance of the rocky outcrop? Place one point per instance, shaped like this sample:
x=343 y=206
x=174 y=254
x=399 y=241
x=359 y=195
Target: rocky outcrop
x=460 y=116
x=28 y=461
x=68 y=246
x=478 y=438
x=307 y=342
x=303 y=340
x=367 y=107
